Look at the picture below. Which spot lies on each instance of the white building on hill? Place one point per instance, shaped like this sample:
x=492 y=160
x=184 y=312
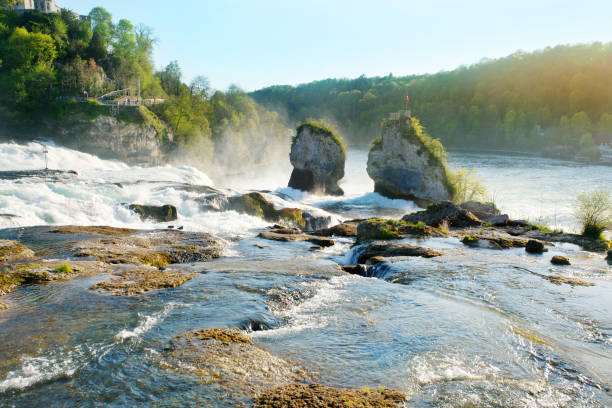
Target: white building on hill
x=46 y=6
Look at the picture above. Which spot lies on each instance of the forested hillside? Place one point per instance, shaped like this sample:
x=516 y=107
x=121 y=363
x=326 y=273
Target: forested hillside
x=45 y=58
x=555 y=98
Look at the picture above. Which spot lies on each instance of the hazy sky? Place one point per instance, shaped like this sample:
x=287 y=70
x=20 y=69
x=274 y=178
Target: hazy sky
x=264 y=42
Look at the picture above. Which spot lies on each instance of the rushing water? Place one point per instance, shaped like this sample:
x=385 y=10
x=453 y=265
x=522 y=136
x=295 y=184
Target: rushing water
x=468 y=329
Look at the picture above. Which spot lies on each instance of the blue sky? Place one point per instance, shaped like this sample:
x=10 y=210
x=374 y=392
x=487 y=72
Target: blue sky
x=264 y=42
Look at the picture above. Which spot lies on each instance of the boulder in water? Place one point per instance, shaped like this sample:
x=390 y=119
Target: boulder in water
x=535 y=247
x=560 y=260
x=445 y=212
x=406 y=163
x=317 y=155
x=609 y=257
x=165 y=213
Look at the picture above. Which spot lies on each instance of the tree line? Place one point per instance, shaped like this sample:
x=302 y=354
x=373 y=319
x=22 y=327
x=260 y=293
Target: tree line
x=556 y=99
x=44 y=56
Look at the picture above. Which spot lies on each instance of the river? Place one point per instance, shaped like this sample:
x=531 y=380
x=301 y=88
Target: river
x=468 y=329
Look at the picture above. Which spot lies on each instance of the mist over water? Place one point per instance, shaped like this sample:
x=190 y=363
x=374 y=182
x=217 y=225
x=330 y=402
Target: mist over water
x=471 y=328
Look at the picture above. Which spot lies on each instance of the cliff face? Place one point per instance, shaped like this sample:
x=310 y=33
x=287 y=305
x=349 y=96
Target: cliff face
x=109 y=138
x=402 y=165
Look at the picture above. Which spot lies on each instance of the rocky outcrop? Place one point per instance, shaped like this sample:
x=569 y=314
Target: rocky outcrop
x=318 y=156
x=164 y=213
x=290 y=235
x=135 y=282
x=405 y=163
x=444 y=213
x=257 y=205
x=133 y=142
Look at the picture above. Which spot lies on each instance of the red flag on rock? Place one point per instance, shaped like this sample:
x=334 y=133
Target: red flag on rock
x=407 y=99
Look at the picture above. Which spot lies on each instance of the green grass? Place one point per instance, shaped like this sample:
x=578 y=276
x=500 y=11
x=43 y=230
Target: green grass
x=65 y=268
x=321 y=127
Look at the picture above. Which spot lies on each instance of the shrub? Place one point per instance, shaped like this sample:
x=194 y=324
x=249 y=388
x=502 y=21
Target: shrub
x=467 y=186
x=594 y=211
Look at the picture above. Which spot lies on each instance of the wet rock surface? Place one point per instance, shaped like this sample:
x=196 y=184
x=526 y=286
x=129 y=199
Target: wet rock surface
x=135 y=282
x=92 y=230
x=37 y=271
x=318 y=156
x=11 y=251
x=402 y=165
x=442 y=213
x=155 y=248
x=320 y=396
x=392 y=249
x=290 y=235
x=229 y=359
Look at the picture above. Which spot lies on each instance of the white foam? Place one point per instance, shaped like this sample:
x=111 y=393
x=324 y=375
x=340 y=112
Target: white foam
x=34 y=370
x=313 y=313
x=147 y=322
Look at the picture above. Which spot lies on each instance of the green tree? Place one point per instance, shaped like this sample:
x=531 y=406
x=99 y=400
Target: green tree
x=102 y=22
x=26 y=50
x=97 y=48
x=124 y=40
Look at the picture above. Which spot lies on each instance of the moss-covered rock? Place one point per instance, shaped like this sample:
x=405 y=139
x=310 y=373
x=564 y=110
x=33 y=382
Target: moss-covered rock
x=11 y=251
x=164 y=213
x=135 y=282
x=229 y=359
x=255 y=204
x=344 y=229
x=560 y=260
x=406 y=163
x=158 y=248
x=386 y=229
x=443 y=213
x=41 y=271
x=318 y=156
x=319 y=396
x=535 y=247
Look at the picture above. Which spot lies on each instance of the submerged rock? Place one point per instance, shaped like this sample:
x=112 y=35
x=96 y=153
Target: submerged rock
x=442 y=213
x=318 y=156
x=535 y=247
x=320 y=396
x=560 y=260
x=391 y=249
x=231 y=360
x=11 y=251
x=134 y=282
x=492 y=239
x=165 y=213
x=609 y=257
x=406 y=163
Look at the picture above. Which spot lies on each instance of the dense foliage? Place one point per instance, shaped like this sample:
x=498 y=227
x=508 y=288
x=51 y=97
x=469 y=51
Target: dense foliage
x=559 y=96
x=47 y=56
